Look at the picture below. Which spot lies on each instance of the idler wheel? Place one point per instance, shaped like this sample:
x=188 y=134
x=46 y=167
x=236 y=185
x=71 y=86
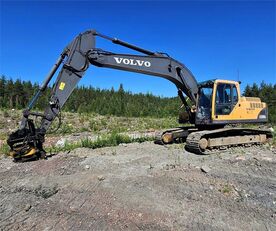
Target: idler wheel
x=167 y=138
x=203 y=143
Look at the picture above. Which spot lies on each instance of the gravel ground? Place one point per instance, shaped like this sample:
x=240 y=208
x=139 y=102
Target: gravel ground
x=141 y=187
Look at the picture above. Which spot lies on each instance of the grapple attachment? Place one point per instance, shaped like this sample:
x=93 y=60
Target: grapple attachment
x=26 y=143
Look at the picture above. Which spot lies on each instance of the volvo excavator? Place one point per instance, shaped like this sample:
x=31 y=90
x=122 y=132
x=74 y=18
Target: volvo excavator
x=213 y=105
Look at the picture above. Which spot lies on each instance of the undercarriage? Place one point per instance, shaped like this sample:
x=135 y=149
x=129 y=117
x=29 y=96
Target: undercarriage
x=213 y=141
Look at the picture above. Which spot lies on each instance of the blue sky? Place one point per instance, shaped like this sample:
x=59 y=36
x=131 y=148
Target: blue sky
x=214 y=39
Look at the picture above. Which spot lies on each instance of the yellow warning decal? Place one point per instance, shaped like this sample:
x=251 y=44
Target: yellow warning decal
x=61 y=86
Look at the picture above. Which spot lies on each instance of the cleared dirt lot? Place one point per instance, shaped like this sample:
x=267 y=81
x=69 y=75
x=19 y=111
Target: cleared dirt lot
x=141 y=187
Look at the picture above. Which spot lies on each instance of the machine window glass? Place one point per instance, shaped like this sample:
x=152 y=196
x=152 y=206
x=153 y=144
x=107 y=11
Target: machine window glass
x=205 y=97
x=235 y=94
x=223 y=94
x=223 y=99
x=204 y=103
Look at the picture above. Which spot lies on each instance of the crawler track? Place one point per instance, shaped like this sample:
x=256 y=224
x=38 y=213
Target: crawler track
x=213 y=141
x=222 y=139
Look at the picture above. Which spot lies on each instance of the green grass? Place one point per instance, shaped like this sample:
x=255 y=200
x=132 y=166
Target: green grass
x=274 y=136
x=4 y=149
x=107 y=127
x=113 y=139
x=105 y=141
x=226 y=189
x=85 y=122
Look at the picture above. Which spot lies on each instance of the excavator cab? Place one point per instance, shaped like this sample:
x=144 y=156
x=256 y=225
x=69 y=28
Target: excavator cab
x=220 y=103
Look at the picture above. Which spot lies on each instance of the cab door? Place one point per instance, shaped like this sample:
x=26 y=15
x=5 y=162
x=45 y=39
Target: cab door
x=226 y=98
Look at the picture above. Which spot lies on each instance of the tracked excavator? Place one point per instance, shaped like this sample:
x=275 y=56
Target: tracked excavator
x=213 y=106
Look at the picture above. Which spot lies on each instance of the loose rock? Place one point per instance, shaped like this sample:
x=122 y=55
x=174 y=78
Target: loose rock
x=27 y=207
x=123 y=144
x=61 y=142
x=101 y=178
x=205 y=169
x=87 y=166
x=240 y=158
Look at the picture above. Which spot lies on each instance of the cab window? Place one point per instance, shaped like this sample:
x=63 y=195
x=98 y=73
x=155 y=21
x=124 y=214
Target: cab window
x=204 y=103
x=226 y=98
x=235 y=94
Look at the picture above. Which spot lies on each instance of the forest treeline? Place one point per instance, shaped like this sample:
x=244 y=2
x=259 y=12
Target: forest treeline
x=17 y=93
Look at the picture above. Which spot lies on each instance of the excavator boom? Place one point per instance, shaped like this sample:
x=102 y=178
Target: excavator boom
x=76 y=58
x=81 y=52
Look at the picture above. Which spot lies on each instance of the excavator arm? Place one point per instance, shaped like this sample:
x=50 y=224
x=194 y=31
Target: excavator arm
x=76 y=58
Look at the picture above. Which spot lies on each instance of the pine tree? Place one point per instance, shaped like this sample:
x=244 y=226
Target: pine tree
x=255 y=90
x=3 y=83
x=247 y=91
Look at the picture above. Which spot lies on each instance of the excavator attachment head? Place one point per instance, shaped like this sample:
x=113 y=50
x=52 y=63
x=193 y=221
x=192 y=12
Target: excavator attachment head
x=26 y=143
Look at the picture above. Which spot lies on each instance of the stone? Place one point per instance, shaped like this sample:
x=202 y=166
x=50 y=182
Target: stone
x=205 y=169
x=61 y=142
x=123 y=144
x=101 y=178
x=27 y=207
x=87 y=166
x=240 y=158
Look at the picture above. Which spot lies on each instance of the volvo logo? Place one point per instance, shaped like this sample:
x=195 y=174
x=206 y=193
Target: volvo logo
x=132 y=62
